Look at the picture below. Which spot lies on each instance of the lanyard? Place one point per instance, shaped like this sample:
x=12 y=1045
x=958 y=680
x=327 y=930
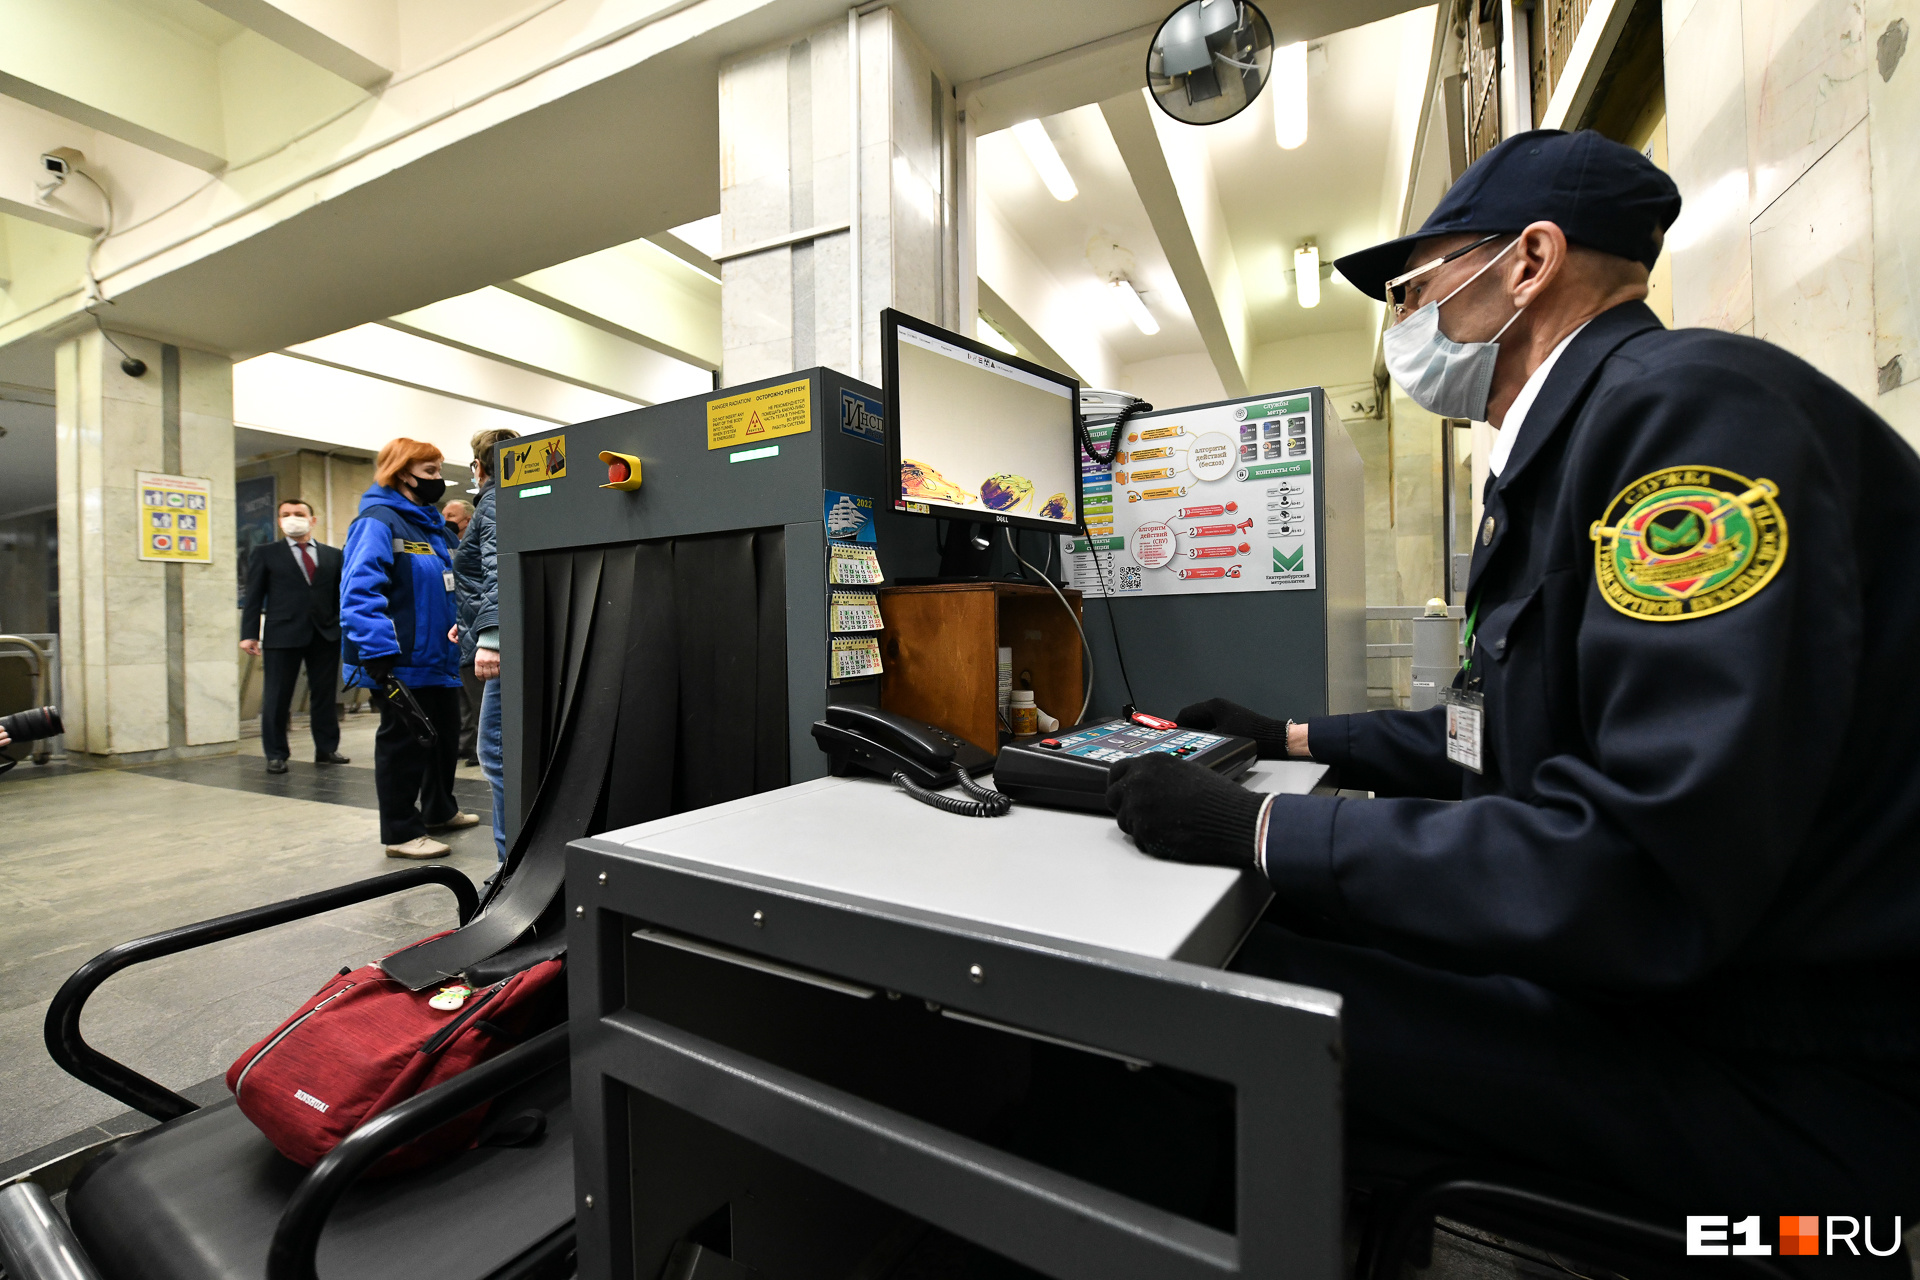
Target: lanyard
x=1466 y=637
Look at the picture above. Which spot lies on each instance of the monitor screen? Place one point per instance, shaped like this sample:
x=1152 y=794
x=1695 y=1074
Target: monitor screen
x=978 y=435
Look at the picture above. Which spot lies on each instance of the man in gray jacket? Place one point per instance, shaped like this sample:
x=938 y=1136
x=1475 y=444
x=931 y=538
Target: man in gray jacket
x=474 y=571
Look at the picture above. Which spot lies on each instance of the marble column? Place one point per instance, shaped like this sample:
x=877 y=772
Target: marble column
x=146 y=647
x=785 y=197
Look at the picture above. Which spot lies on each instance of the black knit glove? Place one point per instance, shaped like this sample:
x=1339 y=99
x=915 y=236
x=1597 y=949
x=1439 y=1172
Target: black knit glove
x=1179 y=811
x=382 y=667
x=1217 y=715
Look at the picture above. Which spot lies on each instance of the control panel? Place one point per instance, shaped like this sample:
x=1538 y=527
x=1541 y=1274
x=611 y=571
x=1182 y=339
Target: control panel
x=1069 y=770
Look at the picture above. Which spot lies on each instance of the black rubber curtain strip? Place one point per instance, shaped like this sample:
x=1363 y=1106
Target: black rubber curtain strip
x=770 y=739
x=640 y=782
x=588 y=689
x=663 y=689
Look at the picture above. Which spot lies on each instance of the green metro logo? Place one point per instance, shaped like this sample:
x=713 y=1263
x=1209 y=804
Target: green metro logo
x=1284 y=563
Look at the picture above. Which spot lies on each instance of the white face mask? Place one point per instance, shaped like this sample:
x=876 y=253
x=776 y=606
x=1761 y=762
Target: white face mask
x=295 y=526
x=1444 y=377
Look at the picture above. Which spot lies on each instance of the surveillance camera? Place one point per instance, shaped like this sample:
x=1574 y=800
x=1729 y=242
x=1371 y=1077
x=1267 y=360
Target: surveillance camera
x=60 y=161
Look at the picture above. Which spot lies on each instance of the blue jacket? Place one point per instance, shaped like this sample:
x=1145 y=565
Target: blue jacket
x=473 y=571
x=383 y=613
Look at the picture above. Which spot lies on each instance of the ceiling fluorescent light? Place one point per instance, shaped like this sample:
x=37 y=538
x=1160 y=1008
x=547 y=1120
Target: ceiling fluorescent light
x=992 y=336
x=1289 y=94
x=1306 y=274
x=1033 y=139
x=1136 y=308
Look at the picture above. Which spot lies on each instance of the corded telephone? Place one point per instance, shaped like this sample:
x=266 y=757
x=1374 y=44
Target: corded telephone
x=919 y=757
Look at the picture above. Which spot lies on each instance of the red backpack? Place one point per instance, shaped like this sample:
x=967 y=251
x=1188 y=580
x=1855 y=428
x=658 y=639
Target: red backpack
x=364 y=1043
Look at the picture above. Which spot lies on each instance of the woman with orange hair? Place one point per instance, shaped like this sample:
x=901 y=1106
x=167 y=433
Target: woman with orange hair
x=397 y=608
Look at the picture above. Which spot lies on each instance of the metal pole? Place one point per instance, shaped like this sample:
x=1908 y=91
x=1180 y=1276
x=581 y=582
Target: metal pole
x=853 y=191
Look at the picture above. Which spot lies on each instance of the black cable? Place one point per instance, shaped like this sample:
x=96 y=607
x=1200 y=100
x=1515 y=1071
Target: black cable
x=1125 y=416
x=988 y=794
x=980 y=808
x=133 y=366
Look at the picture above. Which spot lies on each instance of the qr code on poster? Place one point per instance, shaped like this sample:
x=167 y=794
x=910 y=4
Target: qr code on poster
x=1129 y=577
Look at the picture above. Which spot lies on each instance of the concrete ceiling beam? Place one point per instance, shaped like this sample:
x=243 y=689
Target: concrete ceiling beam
x=382 y=351
x=116 y=69
x=517 y=331
x=1055 y=322
x=1192 y=230
x=357 y=40
x=639 y=292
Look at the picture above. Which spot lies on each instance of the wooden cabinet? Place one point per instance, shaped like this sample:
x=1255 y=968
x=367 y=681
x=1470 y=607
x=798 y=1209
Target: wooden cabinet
x=940 y=645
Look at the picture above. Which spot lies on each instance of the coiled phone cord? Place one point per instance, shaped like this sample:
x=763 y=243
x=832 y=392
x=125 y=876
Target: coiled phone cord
x=986 y=802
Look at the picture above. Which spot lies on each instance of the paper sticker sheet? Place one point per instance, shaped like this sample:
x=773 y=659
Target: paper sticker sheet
x=1201 y=501
x=855 y=611
x=855 y=656
x=852 y=565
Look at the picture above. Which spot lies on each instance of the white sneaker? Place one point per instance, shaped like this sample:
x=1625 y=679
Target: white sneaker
x=418 y=847
x=458 y=822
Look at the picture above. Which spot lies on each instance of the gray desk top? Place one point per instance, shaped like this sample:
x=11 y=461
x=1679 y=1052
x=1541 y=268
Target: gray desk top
x=1049 y=872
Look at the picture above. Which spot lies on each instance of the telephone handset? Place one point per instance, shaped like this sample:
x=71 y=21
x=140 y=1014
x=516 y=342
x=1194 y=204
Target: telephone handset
x=919 y=756
x=880 y=742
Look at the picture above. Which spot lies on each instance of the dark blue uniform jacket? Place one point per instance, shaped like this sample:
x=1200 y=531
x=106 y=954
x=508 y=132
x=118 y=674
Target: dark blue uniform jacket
x=1721 y=810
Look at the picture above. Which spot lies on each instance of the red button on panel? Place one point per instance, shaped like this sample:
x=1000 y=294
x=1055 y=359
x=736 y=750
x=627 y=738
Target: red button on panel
x=1153 y=722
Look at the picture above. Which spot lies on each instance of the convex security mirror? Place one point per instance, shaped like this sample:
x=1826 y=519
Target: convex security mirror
x=1209 y=60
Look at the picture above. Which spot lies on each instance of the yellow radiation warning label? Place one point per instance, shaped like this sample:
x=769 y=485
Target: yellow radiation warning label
x=754 y=416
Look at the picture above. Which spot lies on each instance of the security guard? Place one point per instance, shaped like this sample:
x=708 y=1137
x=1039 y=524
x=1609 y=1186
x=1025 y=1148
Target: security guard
x=1639 y=907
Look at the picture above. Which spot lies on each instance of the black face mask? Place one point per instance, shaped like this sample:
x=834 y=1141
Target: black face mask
x=426 y=491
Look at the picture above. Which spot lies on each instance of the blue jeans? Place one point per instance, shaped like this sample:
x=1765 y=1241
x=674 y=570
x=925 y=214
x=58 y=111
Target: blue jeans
x=490 y=762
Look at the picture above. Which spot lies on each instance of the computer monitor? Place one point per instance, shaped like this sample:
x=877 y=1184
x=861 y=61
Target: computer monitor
x=978 y=435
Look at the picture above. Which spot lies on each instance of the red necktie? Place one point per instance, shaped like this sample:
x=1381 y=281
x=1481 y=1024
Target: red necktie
x=306 y=560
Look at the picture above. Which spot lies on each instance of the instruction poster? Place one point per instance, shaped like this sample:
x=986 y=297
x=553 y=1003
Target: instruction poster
x=754 y=417
x=542 y=459
x=1200 y=501
x=176 y=518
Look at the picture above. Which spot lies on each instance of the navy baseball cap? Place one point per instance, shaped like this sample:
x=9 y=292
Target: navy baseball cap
x=1601 y=194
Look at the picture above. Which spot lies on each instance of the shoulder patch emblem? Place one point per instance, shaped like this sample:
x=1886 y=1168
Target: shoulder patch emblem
x=1688 y=541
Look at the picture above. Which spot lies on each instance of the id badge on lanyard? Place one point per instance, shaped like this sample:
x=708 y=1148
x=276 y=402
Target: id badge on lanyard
x=1466 y=720
x=1466 y=709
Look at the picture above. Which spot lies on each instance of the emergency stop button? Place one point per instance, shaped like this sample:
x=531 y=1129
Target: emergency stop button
x=623 y=470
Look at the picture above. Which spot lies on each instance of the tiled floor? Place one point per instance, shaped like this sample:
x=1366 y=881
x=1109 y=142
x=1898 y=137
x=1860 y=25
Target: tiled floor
x=91 y=858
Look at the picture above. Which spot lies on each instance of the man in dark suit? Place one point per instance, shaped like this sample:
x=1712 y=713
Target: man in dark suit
x=298 y=580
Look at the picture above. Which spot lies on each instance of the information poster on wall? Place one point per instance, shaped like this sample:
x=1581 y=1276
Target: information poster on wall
x=176 y=518
x=1201 y=501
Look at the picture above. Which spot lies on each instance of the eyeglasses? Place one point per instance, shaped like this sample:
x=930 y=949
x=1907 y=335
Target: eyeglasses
x=1396 y=288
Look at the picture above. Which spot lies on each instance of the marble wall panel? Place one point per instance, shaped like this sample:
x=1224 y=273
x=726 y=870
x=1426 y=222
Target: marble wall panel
x=212 y=701
x=136 y=615
x=137 y=695
x=1707 y=151
x=206 y=386
x=212 y=623
x=1893 y=112
x=1813 y=267
x=1806 y=86
x=114 y=632
x=753 y=149
x=756 y=310
x=105 y=376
